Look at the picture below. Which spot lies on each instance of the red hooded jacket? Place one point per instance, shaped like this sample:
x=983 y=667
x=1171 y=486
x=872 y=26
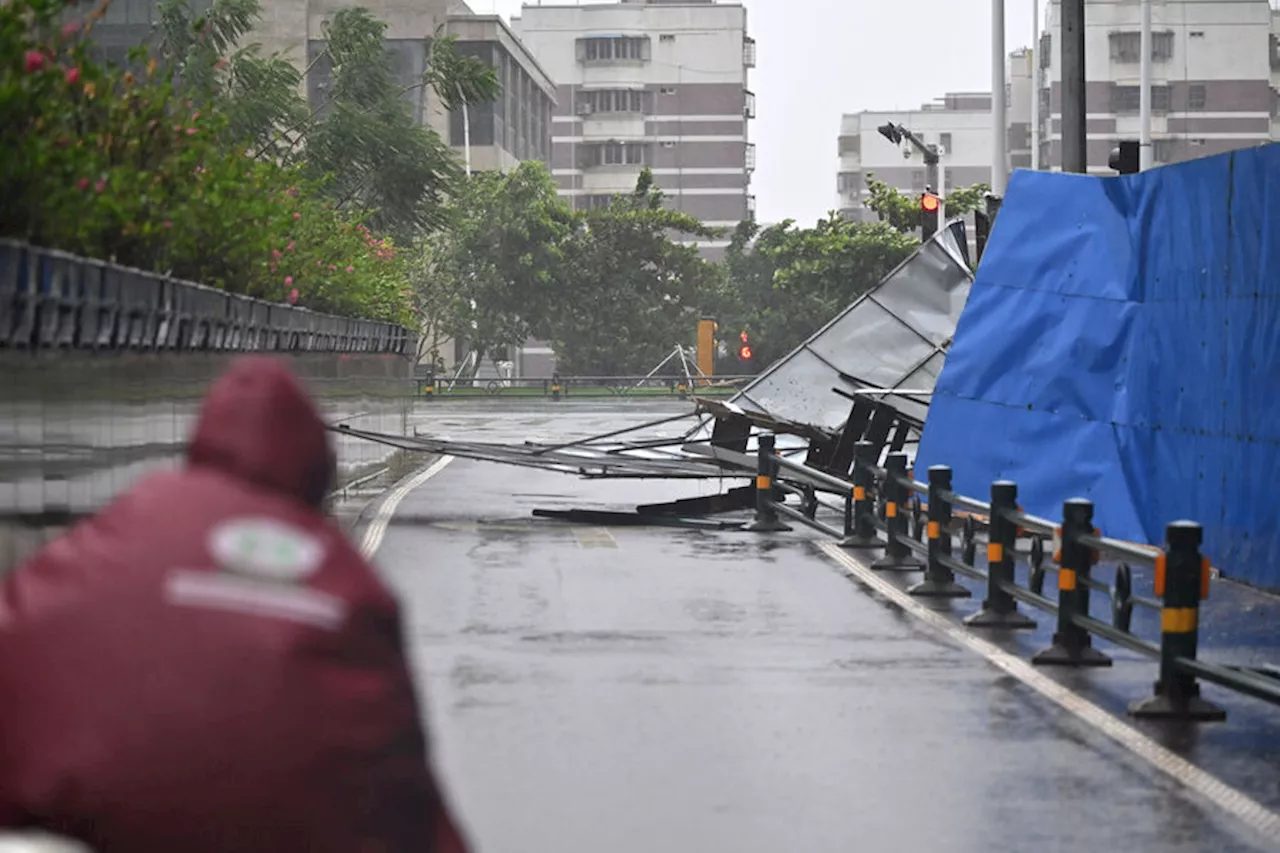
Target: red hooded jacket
x=207 y=665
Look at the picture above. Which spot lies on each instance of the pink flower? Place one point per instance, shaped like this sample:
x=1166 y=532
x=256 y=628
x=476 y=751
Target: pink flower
x=292 y=191
x=100 y=185
x=168 y=224
x=83 y=184
x=297 y=215
x=351 y=268
x=73 y=76
x=332 y=267
x=318 y=264
x=195 y=115
x=275 y=253
x=34 y=61
x=70 y=29
x=191 y=131
x=288 y=281
x=293 y=296
x=289 y=248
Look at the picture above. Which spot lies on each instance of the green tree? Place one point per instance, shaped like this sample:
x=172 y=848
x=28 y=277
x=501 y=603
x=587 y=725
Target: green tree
x=892 y=205
x=783 y=283
x=494 y=273
x=631 y=291
x=903 y=211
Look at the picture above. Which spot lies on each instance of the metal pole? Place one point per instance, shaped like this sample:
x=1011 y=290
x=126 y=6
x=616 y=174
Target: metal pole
x=1035 y=84
x=466 y=131
x=1074 y=132
x=999 y=122
x=1145 y=158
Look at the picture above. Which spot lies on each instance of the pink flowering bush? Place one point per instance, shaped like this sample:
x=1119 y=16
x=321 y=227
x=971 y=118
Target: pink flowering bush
x=116 y=165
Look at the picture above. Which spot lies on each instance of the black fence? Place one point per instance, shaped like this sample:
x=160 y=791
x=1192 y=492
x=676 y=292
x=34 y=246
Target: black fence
x=915 y=525
x=54 y=300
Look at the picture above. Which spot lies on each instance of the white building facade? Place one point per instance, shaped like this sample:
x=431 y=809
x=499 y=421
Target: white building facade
x=650 y=83
x=1213 y=78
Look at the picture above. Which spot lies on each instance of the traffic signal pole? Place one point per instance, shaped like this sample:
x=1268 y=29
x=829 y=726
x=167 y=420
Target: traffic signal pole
x=1000 y=133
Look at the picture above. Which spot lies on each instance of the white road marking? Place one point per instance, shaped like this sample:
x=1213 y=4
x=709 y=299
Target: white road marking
x=594 y=537
x=377 y=529
x=1235 y=802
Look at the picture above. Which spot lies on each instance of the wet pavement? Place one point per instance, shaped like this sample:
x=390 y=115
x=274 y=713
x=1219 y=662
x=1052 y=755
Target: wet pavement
x=640 y=689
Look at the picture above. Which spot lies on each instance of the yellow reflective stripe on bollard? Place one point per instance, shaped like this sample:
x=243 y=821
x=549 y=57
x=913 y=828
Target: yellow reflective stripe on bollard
x=763 y=482
x=859 y=493
x=1067 y=579
x=995 y=552
x=1179 y=620
x=935 y=530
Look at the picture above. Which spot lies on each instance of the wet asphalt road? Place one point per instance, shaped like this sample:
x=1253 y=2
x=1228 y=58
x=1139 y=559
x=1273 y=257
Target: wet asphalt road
x=641 y=689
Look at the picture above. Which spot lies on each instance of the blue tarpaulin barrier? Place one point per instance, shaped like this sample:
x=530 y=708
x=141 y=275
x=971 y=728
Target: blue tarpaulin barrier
x=1121 y=342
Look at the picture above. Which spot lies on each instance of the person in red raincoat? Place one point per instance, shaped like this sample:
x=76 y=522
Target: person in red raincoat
x=208 y=666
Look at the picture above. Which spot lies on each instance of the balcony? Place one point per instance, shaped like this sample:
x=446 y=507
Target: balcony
x=750 y=156
x=749 y=107
x=749 y=52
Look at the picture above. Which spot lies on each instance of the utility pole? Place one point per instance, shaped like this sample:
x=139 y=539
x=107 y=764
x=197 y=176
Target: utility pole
x=1035 y=84
x=1074 y=131
x=999 y=121
x=1146 y=156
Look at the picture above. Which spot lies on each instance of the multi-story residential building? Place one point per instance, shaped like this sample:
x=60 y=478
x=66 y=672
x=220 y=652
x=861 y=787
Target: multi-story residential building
x=656 y=83
x=1213 y=78
x=958 y=123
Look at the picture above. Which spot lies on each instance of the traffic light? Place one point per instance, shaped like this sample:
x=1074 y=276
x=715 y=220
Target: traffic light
x=744 y=351
x=1124 y=159
x=929 y=205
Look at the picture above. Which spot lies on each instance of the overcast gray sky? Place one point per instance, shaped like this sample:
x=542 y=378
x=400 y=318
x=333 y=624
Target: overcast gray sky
x=817 y=59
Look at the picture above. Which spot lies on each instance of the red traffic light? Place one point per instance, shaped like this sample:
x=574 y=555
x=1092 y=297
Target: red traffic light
x=743 y=336
x=744 y=351
x=929 y=203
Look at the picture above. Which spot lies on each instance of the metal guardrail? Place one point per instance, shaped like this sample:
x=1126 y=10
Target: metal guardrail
x=914 y=524
x=581 y=387
x=54 y=300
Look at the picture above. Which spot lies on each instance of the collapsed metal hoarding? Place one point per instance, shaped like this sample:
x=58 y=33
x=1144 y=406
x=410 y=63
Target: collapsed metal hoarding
x=893 y=338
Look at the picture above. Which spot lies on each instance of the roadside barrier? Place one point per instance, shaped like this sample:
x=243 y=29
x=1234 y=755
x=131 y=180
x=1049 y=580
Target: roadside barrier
x=914 y=524
x=54 y=300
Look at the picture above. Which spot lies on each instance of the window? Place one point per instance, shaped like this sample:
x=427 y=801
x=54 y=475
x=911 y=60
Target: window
x=1162 y=150
x=1126 y=99
x=851 y=144
x=749 y=52
x=1127 y=46
x=666 y=38
x=1195 y=97
x=614 y=49
x=612 y=154
x=749 y=107
x=667 y=90
x=947 y=180
x=944 y=140
x=849 y=182
x=593 y=202
x=917 y=180
x=1275 y=52
x=594 y=101
x=750 y=156
x=1046 y=54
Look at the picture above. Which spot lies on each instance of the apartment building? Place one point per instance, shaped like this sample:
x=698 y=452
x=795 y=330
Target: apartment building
x=656 y=83
x=959 y=123
x=1214 y=78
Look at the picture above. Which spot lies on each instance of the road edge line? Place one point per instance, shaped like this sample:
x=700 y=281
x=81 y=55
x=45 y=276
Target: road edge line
x=377 y=529
x=1234 y=802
